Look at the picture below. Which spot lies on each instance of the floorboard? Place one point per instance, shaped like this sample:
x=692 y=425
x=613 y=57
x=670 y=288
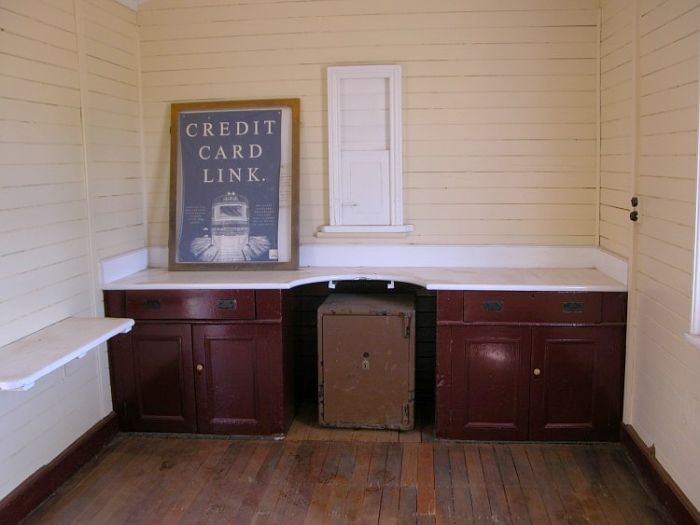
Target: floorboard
x=346 y=479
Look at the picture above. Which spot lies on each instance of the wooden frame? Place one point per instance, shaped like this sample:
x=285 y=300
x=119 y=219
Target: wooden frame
x=234 y=185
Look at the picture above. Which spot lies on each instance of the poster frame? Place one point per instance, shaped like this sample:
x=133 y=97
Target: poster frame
x=288 y=191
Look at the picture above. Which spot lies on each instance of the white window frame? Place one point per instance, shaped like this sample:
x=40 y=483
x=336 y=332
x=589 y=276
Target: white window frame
x=336 y=74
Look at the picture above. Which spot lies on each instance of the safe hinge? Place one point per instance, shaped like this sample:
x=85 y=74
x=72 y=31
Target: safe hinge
x=406 y=325
x=406 y=419
x=320 y=399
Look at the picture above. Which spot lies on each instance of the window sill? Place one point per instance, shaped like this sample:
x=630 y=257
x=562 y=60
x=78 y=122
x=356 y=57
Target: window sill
x=402 y=229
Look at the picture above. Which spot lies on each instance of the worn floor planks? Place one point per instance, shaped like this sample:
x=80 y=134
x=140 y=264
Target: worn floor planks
x=157 y=479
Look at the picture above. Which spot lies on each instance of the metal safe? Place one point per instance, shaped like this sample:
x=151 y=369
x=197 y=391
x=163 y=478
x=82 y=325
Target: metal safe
x=366 y=363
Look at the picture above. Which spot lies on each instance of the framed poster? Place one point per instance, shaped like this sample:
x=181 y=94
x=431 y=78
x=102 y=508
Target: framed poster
x=234 y=192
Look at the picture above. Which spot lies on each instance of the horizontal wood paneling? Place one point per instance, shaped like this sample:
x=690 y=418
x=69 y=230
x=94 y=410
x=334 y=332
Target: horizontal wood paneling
x=30 y=148
x=665 y=377
x=113 y=145
x=49 y=198
x=44 y=276
x=490 y=90
x=617 y=124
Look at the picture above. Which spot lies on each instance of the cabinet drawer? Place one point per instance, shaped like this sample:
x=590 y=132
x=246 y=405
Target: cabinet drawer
x=567 y=307
x=532 y=307
x=190 y=304
x=498 y=307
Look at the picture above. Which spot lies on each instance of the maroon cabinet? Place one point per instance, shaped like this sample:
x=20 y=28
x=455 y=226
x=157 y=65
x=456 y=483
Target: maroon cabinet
x=538 y=366
x=576 y=385
x=163 y=384
x=206 y=361
x=489 y=394
x=230 y=365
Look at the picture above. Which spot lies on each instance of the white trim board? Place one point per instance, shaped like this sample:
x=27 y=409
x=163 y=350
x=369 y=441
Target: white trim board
x=438 y=256
x=120 y=266
x=409 y=256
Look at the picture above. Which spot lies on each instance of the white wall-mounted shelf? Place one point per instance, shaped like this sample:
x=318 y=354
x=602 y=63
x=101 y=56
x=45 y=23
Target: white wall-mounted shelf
x=25 y=361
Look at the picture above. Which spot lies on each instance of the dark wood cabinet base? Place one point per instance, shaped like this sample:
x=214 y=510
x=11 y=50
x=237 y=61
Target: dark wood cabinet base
x=508 y=365
x=543 y=366
x=207 y=361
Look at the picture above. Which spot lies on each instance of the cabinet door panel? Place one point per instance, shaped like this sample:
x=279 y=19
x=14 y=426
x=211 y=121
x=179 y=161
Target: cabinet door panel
x=489 y=382
x=577 y=393
x=163 y=385
x=229 y=364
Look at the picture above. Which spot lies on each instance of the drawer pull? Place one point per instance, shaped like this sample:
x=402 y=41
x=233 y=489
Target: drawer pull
x=492 y=306
x=572 y=307
x=152 y=304
x=227 y=304
x=536 y=372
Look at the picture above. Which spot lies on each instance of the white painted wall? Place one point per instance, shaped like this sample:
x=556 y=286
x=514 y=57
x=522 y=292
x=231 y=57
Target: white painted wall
x=653 y=136
x=69 y=194
x=499 y=103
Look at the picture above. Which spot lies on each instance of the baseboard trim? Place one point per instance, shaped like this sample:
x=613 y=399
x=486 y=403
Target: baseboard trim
x=658 y=480
x=36 y=488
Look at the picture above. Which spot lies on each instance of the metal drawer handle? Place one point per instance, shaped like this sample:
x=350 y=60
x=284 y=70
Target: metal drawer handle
x=492 y=306
x=227 y=304
x=152 y=304
x=572 y=307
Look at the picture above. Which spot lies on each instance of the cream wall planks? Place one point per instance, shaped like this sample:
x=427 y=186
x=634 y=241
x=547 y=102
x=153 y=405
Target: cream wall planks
x=113 y=140
x=617 y=112
x=499 y=103
x=44 y=215
x=667 y=371
x=663 y=391
x=68 y=70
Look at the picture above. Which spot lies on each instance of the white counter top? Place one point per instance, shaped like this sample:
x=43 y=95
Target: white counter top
x=506 y=279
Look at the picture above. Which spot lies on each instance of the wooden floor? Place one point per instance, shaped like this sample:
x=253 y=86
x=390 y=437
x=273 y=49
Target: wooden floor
x=162 y=479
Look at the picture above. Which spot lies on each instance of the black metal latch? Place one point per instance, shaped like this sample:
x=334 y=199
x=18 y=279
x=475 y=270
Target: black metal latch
x=492 y=306
x=227 y=304
x=152 y=304
x=572 y=307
